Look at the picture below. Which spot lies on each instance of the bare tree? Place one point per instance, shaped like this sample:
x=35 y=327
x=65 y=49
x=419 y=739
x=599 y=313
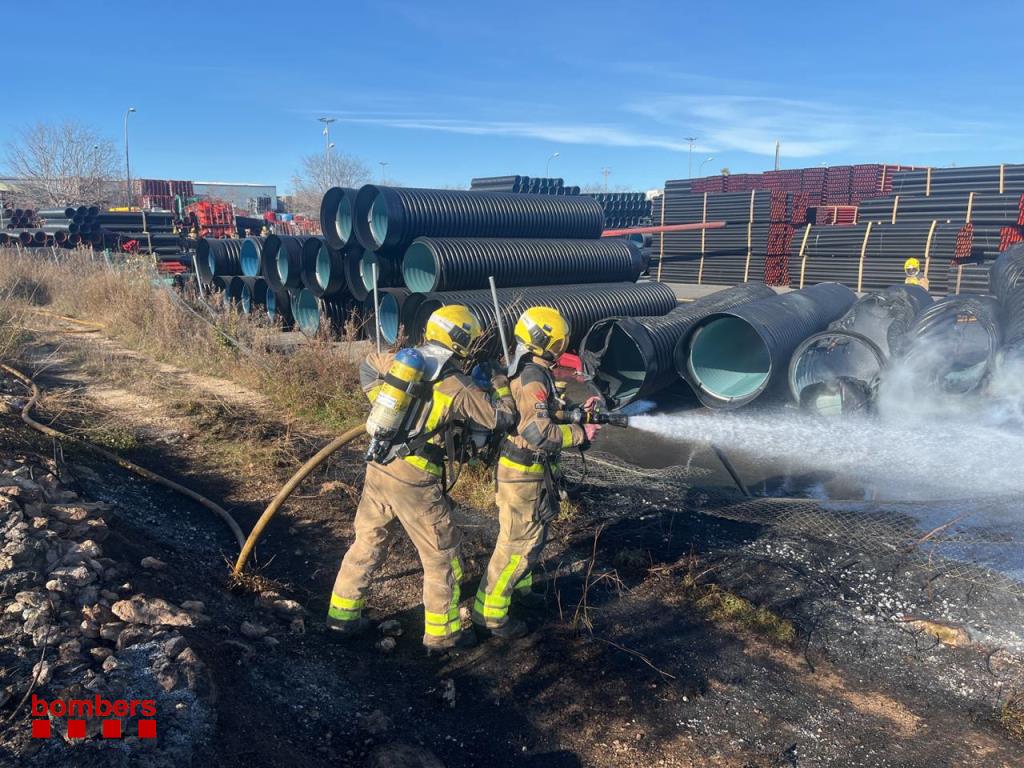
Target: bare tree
x=320 y=172
x=60 y=164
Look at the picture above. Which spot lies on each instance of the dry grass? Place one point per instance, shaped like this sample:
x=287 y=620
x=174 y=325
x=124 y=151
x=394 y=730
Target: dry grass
x=1011 y=715
x=475 y=488
x=318 y=381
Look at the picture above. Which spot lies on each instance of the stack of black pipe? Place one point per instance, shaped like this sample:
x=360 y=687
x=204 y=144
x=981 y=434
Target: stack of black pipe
x=833 y=254
x=714 y=256
x=985 y=178
x=334 y=289
x=624 y=209
x=540 y=250
x=152 y=230
x=528 y=184
x=72 y=226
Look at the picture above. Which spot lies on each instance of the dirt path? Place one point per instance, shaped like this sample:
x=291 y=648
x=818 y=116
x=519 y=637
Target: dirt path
x=673 y=672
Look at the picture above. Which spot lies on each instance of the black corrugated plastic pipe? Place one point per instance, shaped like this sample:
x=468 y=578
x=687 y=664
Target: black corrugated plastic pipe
x=582 y=305
x=328 y=214
x=352 y=267
x=220 y=257
x=279 y=308
x=391 y=218
x=323 y=268
x=289 y=259
x=311 y=312
x=952 y=345
x=731 y=358
x=631 y=357
x=453 y=264
x=390 y=312
x=250 y=257
x=838 y=370
x=253 y=294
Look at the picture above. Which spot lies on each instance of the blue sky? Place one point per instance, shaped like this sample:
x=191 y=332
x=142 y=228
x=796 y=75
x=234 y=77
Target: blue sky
x=445 y=91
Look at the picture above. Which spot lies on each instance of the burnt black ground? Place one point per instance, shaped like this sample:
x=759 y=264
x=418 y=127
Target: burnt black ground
x=855 y=689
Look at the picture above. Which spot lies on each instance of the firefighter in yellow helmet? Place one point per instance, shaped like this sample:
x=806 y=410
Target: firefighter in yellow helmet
x=912 y=269
x=527 y=492
x=408 y=468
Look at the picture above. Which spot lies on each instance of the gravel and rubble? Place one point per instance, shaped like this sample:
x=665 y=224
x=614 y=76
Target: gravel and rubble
x=71 y=627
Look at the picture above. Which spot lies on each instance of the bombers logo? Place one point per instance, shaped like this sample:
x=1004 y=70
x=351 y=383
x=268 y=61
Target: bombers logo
x=112 y=712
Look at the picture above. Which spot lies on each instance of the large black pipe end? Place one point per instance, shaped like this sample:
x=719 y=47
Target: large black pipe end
x=268 y=257
x=836 y=372
x=618 y=357
x=378 y=217
x=329 y=216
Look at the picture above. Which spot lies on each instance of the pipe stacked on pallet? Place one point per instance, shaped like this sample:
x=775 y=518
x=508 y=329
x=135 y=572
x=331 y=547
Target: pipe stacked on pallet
x=437 y=247
x=835 y=185
x=870 y=257
x=529 y=184
x=624 y=209
x=754 y=244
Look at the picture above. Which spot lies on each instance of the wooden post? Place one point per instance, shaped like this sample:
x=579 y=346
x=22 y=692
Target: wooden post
x=928 y=248
x=928 y=182
x=661 y=254
x=863 y=252
x=750 y=227
x=803 y=254
x=970 y=207
x=895 y=205
x=703 y=232
x=1002 y=187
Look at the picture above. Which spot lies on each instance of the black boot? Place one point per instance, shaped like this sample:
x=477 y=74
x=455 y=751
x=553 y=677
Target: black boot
x=348 y=630
x=512 y=629
x=463 y=641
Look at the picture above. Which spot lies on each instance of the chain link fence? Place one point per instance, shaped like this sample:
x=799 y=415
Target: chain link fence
x=971 y=541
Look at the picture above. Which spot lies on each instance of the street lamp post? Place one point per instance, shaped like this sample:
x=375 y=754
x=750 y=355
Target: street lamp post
x=547 y=165
x=691 y=140
x=127 y=164
x=383 y=164
x=700 y=170
x=327 y=141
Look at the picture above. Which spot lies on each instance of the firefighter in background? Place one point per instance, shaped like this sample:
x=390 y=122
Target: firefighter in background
x=406 y=476
x=527 y=494
x=912 y=268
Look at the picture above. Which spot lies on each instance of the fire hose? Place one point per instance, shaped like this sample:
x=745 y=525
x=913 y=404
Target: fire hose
x=26 y=416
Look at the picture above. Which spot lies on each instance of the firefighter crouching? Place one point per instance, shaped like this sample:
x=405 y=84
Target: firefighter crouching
x=422 y=399
x=912 y=269
x=528 y=473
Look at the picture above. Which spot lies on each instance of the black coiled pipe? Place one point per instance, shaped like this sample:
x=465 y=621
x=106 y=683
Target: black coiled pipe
x=582 y=306
x=390 y=218
x=952 y=345
x=631 y=357
x=731 y=358
x=453 y=264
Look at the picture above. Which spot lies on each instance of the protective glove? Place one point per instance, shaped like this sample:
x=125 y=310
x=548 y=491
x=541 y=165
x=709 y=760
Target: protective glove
x=591 y=431
x=593 y=403
x=500 y=383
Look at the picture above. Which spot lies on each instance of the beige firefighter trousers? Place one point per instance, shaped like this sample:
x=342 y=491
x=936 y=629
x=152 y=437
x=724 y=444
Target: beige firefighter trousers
x=521 y=537
x=423 y=510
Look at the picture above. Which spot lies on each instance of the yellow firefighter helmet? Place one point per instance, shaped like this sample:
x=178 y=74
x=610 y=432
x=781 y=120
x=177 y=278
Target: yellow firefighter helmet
x=911 y=265
x=543 y=331
x=453 y=327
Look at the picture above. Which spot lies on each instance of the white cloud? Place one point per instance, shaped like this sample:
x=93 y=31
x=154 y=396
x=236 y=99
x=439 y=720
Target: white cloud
x=806 y=128
x=600 y=134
